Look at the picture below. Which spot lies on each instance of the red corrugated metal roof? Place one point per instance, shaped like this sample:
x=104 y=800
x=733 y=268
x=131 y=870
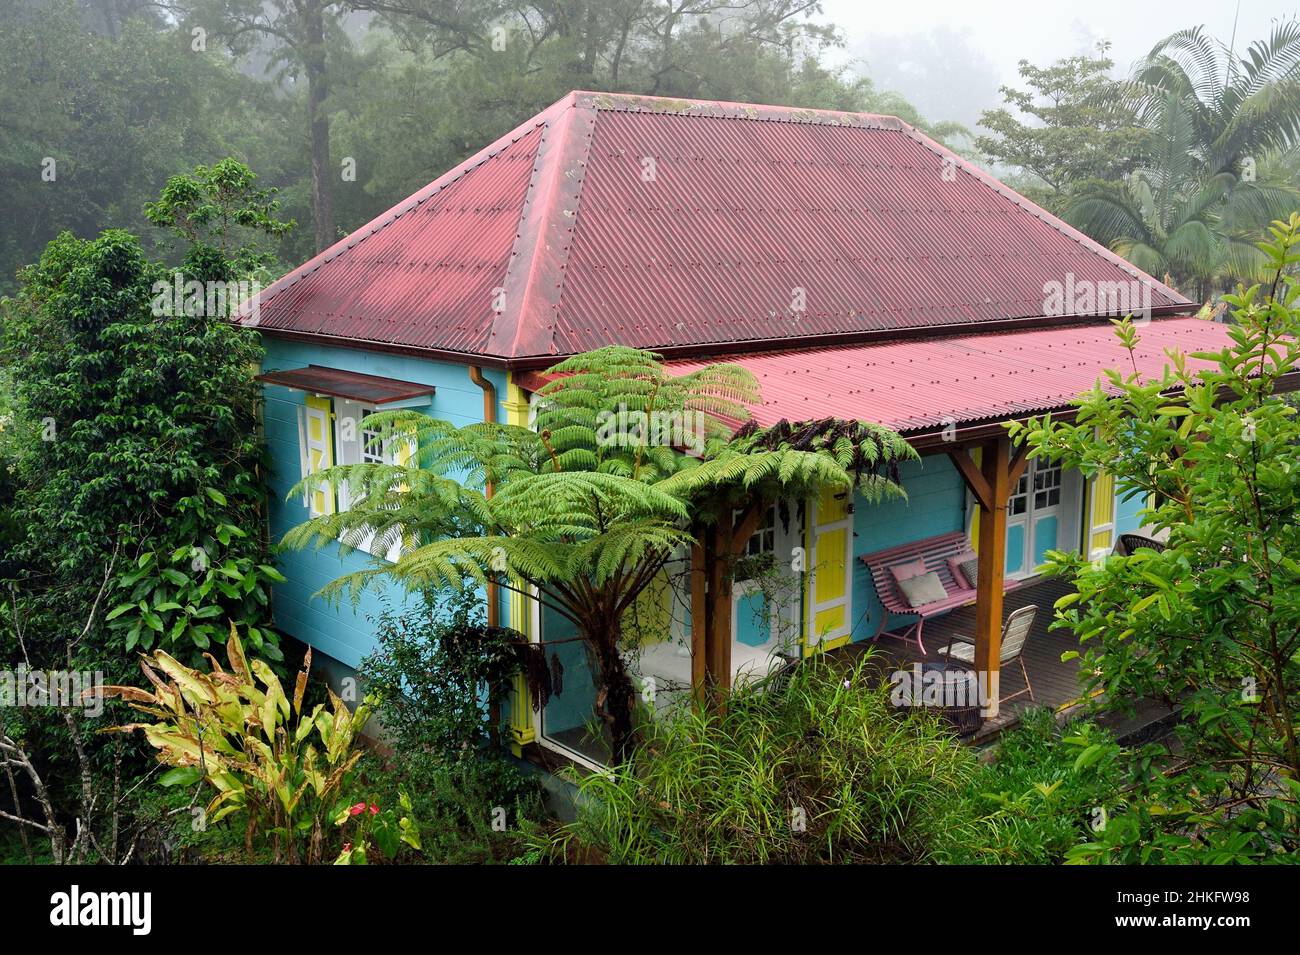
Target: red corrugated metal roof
x=929 y=384
x=678 y=224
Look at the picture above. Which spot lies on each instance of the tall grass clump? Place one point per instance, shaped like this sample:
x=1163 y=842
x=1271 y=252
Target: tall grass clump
x=815 y=767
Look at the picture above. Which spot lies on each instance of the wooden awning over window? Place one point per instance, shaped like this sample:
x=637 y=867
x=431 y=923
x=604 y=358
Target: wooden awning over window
x=337 y=383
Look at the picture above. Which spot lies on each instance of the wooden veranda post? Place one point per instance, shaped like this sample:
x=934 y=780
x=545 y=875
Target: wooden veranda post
x=991 y=482
x=712 y=562
x=992 y=569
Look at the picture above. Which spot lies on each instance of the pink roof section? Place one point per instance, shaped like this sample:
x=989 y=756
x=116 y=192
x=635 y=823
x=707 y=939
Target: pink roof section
x=924 y=386
x=689 y=227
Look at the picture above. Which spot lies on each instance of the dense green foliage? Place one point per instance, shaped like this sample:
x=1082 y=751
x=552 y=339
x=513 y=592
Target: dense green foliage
x=133 y=495
x=1046 y=790
x=137 y=448
x=1068 y=127
x=1212 y=623
x=436 y=678
x=821 y=768
x=1178 y=168
x=344 y=111
x=434 y=671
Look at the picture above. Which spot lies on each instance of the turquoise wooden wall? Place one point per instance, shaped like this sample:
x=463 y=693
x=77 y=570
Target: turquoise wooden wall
x=936 y=504
x=1127 y=513
x=342 y=631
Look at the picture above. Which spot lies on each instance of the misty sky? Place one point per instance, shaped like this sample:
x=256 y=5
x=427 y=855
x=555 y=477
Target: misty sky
x=948 y=57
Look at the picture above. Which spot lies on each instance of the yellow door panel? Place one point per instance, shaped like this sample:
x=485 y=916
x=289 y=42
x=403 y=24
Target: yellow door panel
x=830 y=566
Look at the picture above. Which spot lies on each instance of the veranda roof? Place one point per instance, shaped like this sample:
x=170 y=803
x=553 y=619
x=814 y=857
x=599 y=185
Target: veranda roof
x=926 y=388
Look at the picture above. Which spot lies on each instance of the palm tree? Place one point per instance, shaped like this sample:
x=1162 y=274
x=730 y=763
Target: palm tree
x=1175 y=217
x=1240 y=108
x=1159 y=218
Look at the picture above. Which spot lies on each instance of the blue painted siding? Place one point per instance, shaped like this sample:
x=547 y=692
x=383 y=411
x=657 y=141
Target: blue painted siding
x=1127 y=512
x=936 y=504
x=342 y=631
x=753 y=627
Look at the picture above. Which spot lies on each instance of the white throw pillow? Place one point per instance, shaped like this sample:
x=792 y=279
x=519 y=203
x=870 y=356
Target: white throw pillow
x=923 y=589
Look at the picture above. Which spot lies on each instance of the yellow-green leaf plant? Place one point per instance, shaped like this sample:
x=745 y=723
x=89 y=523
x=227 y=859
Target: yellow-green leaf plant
x=284 y=770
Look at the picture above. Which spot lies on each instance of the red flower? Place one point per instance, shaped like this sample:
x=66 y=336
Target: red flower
x=347 y=847
x=358 y=809
x=374 y=810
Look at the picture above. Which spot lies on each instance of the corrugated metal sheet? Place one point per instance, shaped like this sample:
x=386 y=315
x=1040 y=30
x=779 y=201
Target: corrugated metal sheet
x=427 y=273
x=672 y=224
x=930 y=384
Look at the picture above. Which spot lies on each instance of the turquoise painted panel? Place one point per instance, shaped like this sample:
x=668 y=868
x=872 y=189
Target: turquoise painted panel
x=343 y=631
x=1128 y=509
x=936 y=504
x=1045 y=533
x=1015 y=548
x=575 y=706
x=753 y=628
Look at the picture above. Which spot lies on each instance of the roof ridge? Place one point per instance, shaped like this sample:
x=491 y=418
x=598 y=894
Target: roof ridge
x=413 y=201
x=725 y=109
x=543 y=239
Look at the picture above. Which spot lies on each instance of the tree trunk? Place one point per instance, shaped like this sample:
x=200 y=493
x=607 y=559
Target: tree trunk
x=616 y=696
x=317 y=91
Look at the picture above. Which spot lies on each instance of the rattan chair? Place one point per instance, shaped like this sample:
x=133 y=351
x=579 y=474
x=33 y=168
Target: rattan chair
x=1128 y=543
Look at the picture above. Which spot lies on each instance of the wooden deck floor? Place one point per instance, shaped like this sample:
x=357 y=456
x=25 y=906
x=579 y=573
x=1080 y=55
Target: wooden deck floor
x=1056 y=684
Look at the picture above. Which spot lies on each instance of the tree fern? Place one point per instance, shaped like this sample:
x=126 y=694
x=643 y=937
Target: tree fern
x=587 y=507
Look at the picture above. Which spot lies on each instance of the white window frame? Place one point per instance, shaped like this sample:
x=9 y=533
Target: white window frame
x=355 y=451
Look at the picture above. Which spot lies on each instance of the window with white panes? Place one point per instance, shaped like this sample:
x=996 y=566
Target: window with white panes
x=1019 y=502
x=1047 y=484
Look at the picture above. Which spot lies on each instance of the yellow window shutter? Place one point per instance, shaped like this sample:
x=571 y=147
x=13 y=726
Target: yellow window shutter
x=1101 y=515
x=829 y=562
x=319 y=436
x=977 y=455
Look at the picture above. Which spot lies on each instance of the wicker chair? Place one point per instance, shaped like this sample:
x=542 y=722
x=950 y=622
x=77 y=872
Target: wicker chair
x=1128 y=543
x=1014 y=634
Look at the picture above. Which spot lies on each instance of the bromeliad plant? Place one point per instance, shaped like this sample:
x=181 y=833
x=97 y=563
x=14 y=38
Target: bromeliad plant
x=283 y=769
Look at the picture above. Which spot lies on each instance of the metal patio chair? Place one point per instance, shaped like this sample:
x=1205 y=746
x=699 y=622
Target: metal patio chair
x=1014 y=634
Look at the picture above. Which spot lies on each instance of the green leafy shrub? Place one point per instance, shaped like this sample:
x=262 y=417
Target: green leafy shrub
x=135 y=445
x=182 y=598
x=1046 y=790
x=821 y=769
x=471 y=811
x=435 y=672
x=1210 y=622
x=433 y=677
